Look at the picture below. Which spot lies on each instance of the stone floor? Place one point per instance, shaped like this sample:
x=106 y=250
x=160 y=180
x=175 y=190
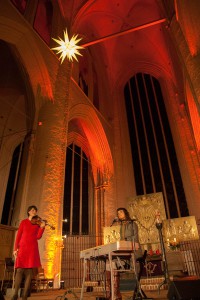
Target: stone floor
x=68 y=294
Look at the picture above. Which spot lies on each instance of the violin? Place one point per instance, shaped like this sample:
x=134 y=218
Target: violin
x=36 y=220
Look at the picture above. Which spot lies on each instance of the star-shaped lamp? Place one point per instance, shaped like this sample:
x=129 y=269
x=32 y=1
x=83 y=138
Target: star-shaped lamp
x=68 y=47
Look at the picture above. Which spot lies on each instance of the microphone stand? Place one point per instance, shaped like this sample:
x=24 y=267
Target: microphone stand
x=138 y=292
x=166 y=280
x=116 y=220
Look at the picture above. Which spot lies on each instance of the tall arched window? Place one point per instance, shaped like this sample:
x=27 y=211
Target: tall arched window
x=76 y=192
x=12 y=186
x=154 y=158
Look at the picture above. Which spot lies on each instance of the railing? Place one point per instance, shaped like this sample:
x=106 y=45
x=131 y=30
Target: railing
x=72 y=265
x=191 y=254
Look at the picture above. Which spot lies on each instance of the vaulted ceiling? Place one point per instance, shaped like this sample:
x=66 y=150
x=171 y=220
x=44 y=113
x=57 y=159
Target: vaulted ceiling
x=116 y=40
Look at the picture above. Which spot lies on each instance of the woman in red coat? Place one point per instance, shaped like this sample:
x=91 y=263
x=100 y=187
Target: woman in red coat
x=26 y=251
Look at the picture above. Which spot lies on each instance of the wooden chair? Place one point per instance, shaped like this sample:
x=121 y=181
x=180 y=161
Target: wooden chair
x=39 y=281
x=8 y=272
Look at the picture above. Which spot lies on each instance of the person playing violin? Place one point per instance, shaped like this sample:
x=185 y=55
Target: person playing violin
x=26 y=251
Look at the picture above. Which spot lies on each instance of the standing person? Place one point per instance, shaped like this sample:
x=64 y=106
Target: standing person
x=26 y=251
x=129 y=229
x=128 y=232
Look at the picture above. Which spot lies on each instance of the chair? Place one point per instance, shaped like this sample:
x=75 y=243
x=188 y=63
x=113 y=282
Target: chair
x=8 y=272
x=41 y=280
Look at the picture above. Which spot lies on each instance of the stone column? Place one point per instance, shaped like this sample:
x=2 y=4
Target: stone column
x=190 y=63
x=46 y=183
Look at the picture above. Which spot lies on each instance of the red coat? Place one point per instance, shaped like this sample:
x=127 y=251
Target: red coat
x=27 y=244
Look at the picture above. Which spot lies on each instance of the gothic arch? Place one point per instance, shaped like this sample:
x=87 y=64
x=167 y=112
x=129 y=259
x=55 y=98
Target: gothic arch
x=17 y=35
x=93 y=131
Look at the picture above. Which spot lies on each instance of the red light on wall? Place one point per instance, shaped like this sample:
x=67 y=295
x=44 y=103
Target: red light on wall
x=39 y=123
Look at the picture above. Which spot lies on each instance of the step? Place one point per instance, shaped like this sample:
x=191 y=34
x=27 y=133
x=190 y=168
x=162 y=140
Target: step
x=152 y=280
x=91 y=283
x=153 y=287
x=153 y=284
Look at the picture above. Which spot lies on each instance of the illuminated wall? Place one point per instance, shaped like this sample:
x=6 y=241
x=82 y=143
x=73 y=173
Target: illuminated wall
x=170 y=52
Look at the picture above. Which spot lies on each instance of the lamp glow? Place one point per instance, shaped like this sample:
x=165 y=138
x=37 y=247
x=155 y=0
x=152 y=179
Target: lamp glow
x=68 y=47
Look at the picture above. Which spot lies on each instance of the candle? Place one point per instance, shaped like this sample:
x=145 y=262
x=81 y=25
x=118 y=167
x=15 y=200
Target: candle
x=158 y=216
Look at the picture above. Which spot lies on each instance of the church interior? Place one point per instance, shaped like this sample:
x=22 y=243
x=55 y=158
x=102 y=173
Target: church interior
x=100 y=109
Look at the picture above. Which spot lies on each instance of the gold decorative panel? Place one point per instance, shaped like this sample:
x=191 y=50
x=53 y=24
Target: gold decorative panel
x=180 y=229
x=145 y=209
x=111 y=234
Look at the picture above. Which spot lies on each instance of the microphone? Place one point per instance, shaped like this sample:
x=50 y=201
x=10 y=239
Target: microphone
x=116 y=219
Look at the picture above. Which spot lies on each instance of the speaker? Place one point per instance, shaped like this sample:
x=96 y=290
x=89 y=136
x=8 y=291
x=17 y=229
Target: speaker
x=127 y=284
x=184 y=290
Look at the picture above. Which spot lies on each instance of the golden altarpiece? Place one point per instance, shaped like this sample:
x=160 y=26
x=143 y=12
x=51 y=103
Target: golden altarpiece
x=145 y=209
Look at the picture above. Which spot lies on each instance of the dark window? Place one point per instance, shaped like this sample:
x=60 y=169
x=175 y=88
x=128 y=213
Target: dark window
x=154 y=158
x=11 y=188
x=75 y=192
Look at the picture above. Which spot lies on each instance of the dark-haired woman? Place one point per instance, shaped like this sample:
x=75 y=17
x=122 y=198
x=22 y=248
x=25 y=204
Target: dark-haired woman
x=128 y=232
x=128 y=229
x=26 y=251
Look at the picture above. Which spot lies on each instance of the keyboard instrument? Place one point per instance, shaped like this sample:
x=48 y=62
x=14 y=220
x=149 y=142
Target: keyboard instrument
x=103 y=250
x=108 y=252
